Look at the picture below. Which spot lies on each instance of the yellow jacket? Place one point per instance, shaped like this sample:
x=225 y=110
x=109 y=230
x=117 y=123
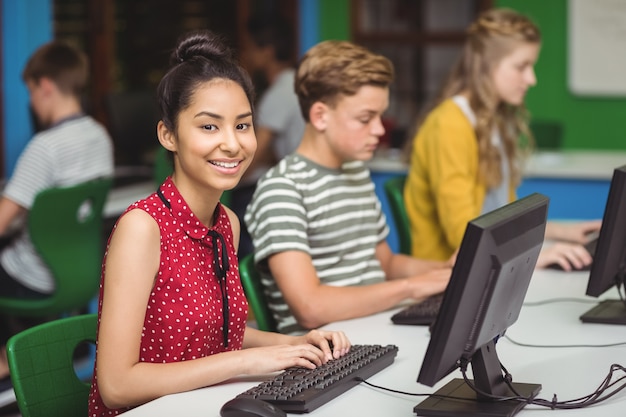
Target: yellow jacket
x=442 y=192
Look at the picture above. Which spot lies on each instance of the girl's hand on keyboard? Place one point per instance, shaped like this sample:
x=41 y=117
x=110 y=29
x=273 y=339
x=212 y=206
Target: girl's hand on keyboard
x=333 y=344
x=268 y=359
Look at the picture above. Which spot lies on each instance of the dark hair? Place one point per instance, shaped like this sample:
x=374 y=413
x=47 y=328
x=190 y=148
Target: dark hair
x=62 y=63
x=273 y=31
x=200 y=56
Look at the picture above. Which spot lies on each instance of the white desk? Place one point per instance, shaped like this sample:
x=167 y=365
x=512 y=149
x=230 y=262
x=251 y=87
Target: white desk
x=119 y=198
x=574 y=164
x=565 y=164
x=568 y=372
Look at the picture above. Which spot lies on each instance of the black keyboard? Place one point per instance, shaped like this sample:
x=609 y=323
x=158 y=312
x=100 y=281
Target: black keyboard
x=423 y=313
x=301 y=390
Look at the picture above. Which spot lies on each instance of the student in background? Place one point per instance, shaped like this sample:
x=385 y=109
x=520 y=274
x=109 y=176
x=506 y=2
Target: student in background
x=467 y=156
x=279 y=124
x=318 y=229
x=72 y=148
x=172 y=311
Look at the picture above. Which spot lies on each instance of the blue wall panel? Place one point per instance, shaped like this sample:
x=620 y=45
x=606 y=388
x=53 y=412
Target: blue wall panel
x=26 y=24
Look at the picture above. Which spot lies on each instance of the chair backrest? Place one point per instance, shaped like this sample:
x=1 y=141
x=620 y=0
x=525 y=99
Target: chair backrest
x=548 y=134
x=252 y=286
x=162 y=165
x=66 y=228
x=42 y=367
x=394 y=190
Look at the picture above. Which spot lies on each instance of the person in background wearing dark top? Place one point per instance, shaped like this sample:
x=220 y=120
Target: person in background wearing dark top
x=72 y=148
x=318 y=228
x=172 y=311
x=269 y=50
x=467 y=156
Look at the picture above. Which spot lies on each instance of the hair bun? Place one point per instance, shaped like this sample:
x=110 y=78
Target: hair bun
x=204 y=44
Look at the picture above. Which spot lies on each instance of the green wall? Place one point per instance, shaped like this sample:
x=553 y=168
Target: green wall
x=334 y=19
x=588 y=122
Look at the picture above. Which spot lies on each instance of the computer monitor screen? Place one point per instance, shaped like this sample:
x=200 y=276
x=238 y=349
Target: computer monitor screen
x=486 y=291
x=608 y=269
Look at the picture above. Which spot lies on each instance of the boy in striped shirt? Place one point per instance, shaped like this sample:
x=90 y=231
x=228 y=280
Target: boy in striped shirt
x=71 y=148
x=318 y=229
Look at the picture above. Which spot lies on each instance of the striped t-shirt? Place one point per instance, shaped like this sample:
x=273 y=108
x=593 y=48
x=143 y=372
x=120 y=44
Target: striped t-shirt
x=333 y=215
x=68 y=153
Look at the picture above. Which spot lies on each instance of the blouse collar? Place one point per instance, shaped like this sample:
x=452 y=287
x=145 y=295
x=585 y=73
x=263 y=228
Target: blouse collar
x=188 y=221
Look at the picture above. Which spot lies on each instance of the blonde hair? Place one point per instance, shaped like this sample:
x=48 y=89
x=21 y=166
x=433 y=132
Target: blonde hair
x=333 y=68
x=490 y=38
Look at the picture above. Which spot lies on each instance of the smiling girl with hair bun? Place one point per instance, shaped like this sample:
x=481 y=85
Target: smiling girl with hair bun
x=172 y=310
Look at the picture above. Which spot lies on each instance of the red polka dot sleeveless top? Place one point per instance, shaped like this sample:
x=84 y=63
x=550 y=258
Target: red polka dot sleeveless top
x=198 y=272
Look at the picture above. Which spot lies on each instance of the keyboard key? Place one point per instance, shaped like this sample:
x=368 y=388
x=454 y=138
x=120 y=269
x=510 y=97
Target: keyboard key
x=423 y=313
x=301 y=390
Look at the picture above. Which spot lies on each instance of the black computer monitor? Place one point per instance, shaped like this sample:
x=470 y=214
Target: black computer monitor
x=486 y=291
x=608 y=269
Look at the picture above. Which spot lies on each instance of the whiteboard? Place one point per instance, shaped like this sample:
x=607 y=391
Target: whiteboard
x=597 y=47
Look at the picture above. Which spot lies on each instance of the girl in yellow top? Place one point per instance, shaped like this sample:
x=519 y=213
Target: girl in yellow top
x=467 y=155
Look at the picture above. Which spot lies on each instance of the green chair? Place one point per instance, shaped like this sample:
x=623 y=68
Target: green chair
x=252 y=286
x=394 y=190
x=66 y=228
x=41 y=361
x=548 y=134
x=162 y=165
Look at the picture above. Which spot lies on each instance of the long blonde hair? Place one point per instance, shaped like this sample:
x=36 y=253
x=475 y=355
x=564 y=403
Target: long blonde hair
x=492 y=36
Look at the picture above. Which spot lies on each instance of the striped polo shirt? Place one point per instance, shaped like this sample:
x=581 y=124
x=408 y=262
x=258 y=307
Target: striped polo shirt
x=76 y=150
x=333 y=215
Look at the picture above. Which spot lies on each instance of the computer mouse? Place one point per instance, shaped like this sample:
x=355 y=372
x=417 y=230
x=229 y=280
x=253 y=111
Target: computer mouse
x=250 y=407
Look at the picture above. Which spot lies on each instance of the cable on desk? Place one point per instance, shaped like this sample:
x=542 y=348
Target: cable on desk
x=563 y=346
x=413 y=394
x=600 y=394
x=559 y=300
x=603 y=392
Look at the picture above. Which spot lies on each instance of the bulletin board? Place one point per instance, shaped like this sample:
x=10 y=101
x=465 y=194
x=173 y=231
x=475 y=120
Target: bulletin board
x=597 y=47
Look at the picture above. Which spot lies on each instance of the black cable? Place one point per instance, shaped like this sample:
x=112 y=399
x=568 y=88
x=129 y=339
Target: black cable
x=600 y=394
x=413 y=394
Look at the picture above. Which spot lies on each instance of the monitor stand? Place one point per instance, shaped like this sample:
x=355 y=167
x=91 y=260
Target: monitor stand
x=469 y=404
x=606 y=312
x=488 y=378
